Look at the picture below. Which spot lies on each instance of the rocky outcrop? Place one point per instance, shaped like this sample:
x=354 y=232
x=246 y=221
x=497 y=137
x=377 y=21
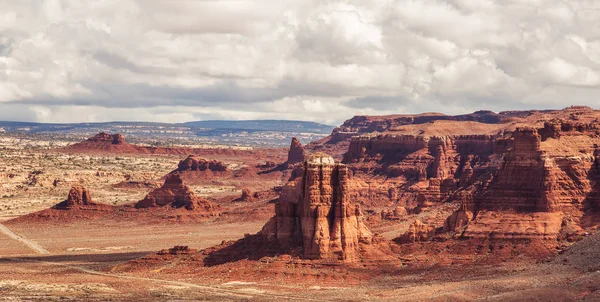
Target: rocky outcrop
x=458 y=220
x=175 y=194
x=247 y=196
x=178 y=250
x=296 y=153
x=79 y=197
x=439 y=164
x=315 y=212
x=194 y=163
x=417 y=231
x=395 y=214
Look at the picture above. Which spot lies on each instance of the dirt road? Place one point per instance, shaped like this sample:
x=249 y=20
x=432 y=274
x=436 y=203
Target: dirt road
x=31 y=244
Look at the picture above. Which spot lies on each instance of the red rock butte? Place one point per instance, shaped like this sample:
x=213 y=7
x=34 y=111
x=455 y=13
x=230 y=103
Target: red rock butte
x=79 y=197
x=115 y=139
x=175 y=194
x=316 y=212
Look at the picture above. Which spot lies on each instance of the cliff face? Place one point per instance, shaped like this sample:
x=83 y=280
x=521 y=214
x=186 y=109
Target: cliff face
x=430 y=157
x=542 y=190
x=427 y=170
x=175 y=194
x=513 y=175
x=520 y=178
x=315 y=211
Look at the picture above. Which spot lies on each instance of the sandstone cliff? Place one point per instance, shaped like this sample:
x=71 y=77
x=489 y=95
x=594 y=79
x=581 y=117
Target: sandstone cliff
x=537 y=166
x=541 y=191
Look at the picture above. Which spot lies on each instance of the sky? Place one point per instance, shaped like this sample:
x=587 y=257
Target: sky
x=322 y=61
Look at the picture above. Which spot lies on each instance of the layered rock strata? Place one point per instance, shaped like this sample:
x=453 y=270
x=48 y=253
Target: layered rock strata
x=315 y=212
x=440 y=164
x=518 y=182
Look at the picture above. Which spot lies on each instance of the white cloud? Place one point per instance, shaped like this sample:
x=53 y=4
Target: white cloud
x=179 y=60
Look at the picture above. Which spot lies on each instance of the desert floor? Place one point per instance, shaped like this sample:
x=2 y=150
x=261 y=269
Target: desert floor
x=57 y=261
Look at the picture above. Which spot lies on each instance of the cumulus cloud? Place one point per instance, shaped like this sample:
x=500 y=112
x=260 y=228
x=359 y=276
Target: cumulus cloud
x=325 y=61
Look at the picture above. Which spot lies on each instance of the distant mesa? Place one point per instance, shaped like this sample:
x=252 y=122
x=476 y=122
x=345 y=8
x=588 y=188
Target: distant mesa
x=175 y=194
x=103 y=143
x=115 y=139
x=194 y=163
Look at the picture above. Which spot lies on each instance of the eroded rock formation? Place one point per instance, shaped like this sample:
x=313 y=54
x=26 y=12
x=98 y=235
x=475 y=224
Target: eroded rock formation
x=194 y=163
x=428 y=170
x=315 y=211
x=538 y=192
x=175 y=194
x=518 y=182
x=418 y=231
x=247 y=196
x=79 y=197
x=296 y=153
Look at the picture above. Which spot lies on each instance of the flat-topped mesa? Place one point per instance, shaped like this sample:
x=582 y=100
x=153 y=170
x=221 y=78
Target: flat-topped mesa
x=194 y=163
x=296 y=153
x=315 y=211
x=366 y=124
x=175 y=194
x=115 y=139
